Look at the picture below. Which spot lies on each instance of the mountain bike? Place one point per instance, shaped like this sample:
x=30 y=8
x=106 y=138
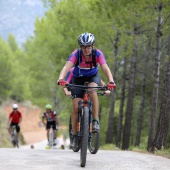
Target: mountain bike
x=14 y=137
x=86 y=137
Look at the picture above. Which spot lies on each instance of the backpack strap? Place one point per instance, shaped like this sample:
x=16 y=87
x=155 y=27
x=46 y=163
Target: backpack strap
x=94 y=57
x=79 y=59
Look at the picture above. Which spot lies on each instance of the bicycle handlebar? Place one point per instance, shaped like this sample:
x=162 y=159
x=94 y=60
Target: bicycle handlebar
x=86 y=87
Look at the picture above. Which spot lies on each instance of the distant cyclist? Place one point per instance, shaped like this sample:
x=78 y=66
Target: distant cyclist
x=50 y=118
x=15 y=118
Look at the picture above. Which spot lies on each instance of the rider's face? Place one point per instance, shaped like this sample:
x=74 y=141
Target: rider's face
x=86 y=50
x=48 y=110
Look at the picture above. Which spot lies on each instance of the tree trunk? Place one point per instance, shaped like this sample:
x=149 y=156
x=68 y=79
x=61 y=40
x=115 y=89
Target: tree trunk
x=164 y=115
x=129 y=109
x=109 y=133
x=110 y=127
x=156 y=82
x=142 y=104
x=122 y=99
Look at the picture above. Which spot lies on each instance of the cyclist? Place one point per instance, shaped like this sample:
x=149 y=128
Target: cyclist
x=15 y=118
x=86 y=71
x=50 y=118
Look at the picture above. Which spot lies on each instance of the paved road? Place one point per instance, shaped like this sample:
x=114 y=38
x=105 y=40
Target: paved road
x=42 y=159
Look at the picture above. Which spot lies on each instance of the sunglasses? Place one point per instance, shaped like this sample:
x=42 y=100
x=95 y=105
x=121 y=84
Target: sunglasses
x=89 y=47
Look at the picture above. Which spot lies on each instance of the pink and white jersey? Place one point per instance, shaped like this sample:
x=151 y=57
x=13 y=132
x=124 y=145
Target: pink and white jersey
x=84 y=68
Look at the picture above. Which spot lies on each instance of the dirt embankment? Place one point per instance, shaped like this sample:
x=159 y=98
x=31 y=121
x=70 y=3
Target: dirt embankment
x=31 y=126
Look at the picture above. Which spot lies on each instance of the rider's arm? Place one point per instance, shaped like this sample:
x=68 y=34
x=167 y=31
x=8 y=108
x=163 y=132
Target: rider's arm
x=65 y=69
x=68 y=80
x=9 y=121
x=102 y=83
x=43 y=120
x=107 y=72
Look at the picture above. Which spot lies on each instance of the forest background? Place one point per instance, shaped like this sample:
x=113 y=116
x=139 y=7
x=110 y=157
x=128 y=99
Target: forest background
x=135 y=40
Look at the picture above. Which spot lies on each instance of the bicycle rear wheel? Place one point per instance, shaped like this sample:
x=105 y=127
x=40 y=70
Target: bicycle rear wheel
x=85 y=136
x=94 y=142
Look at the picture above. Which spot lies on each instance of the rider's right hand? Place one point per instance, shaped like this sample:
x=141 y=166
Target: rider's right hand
x=61 y=82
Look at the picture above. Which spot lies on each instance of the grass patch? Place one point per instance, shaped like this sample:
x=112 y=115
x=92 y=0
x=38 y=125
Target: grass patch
x=163 y=152
x=141 y=149
x=109 y=147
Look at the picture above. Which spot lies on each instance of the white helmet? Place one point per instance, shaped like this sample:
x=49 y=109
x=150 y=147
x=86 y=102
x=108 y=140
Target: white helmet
x=15 y=106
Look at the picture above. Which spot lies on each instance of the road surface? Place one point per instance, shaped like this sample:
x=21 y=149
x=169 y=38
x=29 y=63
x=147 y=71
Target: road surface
x=49 y=159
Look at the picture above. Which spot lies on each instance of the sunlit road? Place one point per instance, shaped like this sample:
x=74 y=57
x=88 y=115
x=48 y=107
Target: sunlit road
x=50 y=159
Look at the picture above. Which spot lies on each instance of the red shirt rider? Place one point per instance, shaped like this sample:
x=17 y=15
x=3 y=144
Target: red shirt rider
x=15 y=117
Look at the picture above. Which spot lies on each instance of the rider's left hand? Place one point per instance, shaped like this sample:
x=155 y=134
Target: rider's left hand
x=111 y=86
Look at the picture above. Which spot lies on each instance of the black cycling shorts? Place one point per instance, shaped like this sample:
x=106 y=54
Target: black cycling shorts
x=52 y=123
x=17 y=126
x=77 y=92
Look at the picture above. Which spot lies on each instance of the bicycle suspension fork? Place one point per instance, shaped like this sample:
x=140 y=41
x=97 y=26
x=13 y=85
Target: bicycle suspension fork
x=80 y=107
x=81 y=104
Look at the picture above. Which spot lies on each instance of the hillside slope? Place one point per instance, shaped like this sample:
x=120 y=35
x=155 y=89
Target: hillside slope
x=18 y=17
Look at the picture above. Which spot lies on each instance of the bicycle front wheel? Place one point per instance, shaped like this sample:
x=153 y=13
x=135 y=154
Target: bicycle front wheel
x=85 y=136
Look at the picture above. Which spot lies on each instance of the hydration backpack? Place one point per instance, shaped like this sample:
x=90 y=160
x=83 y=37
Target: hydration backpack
x=87 y=62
